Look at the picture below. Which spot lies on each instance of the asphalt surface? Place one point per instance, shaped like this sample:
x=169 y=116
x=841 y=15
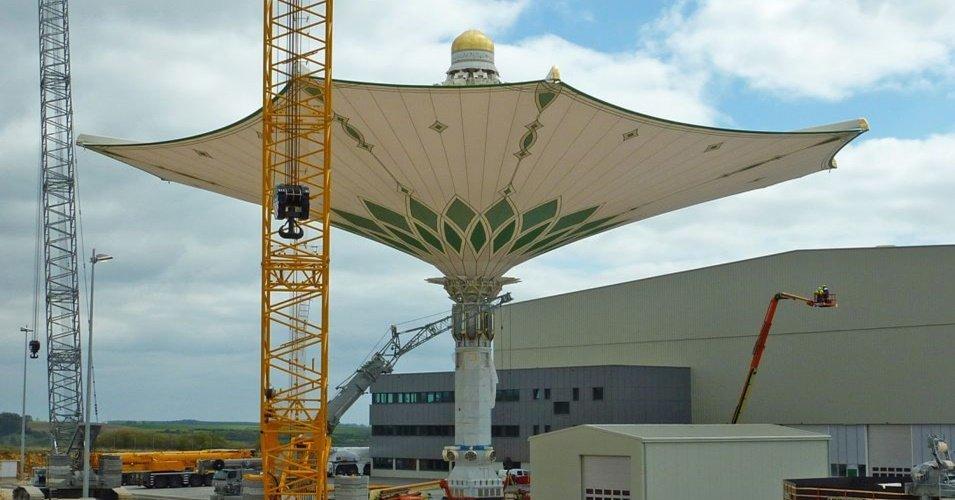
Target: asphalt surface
x=203 y=492
x=200 y=493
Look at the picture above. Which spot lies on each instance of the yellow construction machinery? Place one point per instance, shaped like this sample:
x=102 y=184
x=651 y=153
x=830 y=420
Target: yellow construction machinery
x=174 y=469
x=296 y=154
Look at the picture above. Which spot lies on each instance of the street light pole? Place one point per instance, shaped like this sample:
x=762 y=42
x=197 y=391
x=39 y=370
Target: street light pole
x=23 y=404
x=87 y=442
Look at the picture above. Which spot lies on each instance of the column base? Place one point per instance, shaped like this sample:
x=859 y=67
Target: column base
x=474 y=474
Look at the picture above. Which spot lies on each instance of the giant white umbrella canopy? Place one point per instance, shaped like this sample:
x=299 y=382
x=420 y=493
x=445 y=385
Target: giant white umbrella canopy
x=478 y=179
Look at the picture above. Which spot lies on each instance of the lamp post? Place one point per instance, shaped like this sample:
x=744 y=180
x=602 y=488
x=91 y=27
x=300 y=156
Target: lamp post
x=23 y=403
x=97 y=257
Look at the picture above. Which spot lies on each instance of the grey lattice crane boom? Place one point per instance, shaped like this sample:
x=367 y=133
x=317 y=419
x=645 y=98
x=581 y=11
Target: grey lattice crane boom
x=59 y=225
x=383 y=361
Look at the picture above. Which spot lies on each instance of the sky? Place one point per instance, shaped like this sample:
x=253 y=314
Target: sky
x=176 y=325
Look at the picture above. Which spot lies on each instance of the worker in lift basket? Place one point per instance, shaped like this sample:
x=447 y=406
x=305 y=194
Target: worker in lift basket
x=818 y=294
x=825 y=293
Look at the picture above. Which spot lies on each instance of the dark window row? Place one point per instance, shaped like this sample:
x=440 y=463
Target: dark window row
x=843 y=470
x=412 y=430
x=606 y=494
x=387 y=398
x=438 y=430
x=537 y=429
x=429 y=464
x=597 y=393
x=899 y=470
x=508 y=395
x=432 y=464
x=505 y=431
x=379 y=398
x=406 y=464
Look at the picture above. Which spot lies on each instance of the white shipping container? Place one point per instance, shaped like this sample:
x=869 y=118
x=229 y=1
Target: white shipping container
x=8 y=469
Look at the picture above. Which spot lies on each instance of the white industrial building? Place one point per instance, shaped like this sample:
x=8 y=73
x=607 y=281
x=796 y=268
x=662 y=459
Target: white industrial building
x=664 y=462
x=874 y=373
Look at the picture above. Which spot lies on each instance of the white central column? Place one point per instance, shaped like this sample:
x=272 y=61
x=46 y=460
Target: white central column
x=472 y=456
x=473 y=472
x=474 y=380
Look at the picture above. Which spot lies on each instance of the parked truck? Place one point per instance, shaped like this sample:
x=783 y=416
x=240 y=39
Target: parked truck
x=176 y=469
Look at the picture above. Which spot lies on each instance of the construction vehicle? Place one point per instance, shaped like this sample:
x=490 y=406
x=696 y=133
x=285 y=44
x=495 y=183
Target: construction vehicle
x=383 y=359
x=175 y=469
x=349 y=461
x=821 y=298
x=935 y=478
x=227 y=483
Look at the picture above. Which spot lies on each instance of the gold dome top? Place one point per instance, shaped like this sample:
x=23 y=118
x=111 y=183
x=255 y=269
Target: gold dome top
x=472 y=40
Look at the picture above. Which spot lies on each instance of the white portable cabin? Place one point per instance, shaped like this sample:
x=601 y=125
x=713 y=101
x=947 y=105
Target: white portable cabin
x=657 y=462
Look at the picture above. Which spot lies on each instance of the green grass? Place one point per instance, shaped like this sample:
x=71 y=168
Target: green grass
x=180 y=435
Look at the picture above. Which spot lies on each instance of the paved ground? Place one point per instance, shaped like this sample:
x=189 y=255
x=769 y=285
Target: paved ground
x=202 y=493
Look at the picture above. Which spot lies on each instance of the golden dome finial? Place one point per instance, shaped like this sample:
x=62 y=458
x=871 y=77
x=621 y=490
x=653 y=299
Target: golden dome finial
x=472 y=40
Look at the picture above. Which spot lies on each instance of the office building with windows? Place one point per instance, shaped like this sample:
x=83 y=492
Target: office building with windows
x=412 y=413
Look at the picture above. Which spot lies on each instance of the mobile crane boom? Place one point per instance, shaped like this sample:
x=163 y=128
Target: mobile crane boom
x=58 y=224
x=820 y=300
x=383 y=360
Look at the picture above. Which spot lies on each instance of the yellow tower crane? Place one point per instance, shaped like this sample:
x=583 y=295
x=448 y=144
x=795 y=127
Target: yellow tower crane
x=296 y=114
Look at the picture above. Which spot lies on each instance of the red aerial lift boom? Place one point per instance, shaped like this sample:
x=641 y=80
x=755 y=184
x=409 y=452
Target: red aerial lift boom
x=821 y=298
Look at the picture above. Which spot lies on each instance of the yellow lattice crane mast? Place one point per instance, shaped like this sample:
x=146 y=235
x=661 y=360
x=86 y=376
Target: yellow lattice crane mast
x=296 y=114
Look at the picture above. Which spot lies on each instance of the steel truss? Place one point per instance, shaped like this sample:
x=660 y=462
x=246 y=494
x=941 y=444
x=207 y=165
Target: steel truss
x=59 y=230
x=296 y=117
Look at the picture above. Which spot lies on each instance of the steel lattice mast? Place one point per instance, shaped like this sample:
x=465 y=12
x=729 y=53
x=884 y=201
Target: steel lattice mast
x=59 y=229
x=296 y=117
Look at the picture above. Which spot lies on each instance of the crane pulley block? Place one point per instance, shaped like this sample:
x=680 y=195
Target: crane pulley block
x=291 y=202
x=34 y=348
x=291 y=205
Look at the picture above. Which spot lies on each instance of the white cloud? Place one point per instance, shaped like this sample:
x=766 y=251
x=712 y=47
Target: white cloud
x=885 y=191
x=374 y=43
x=635 y=80
x=817 y=48
x=409 y=42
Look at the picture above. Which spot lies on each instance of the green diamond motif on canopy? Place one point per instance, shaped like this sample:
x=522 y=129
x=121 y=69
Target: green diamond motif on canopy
x=499 y=213
x=539 y=214
x=460 y=213
x=478 y=237
x=423 y=214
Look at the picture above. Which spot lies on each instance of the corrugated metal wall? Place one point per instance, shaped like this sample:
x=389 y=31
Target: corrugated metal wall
x=920 y=434
x=875 y=359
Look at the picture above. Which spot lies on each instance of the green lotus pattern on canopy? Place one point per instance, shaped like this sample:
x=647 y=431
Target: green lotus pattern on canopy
x=459 y=228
